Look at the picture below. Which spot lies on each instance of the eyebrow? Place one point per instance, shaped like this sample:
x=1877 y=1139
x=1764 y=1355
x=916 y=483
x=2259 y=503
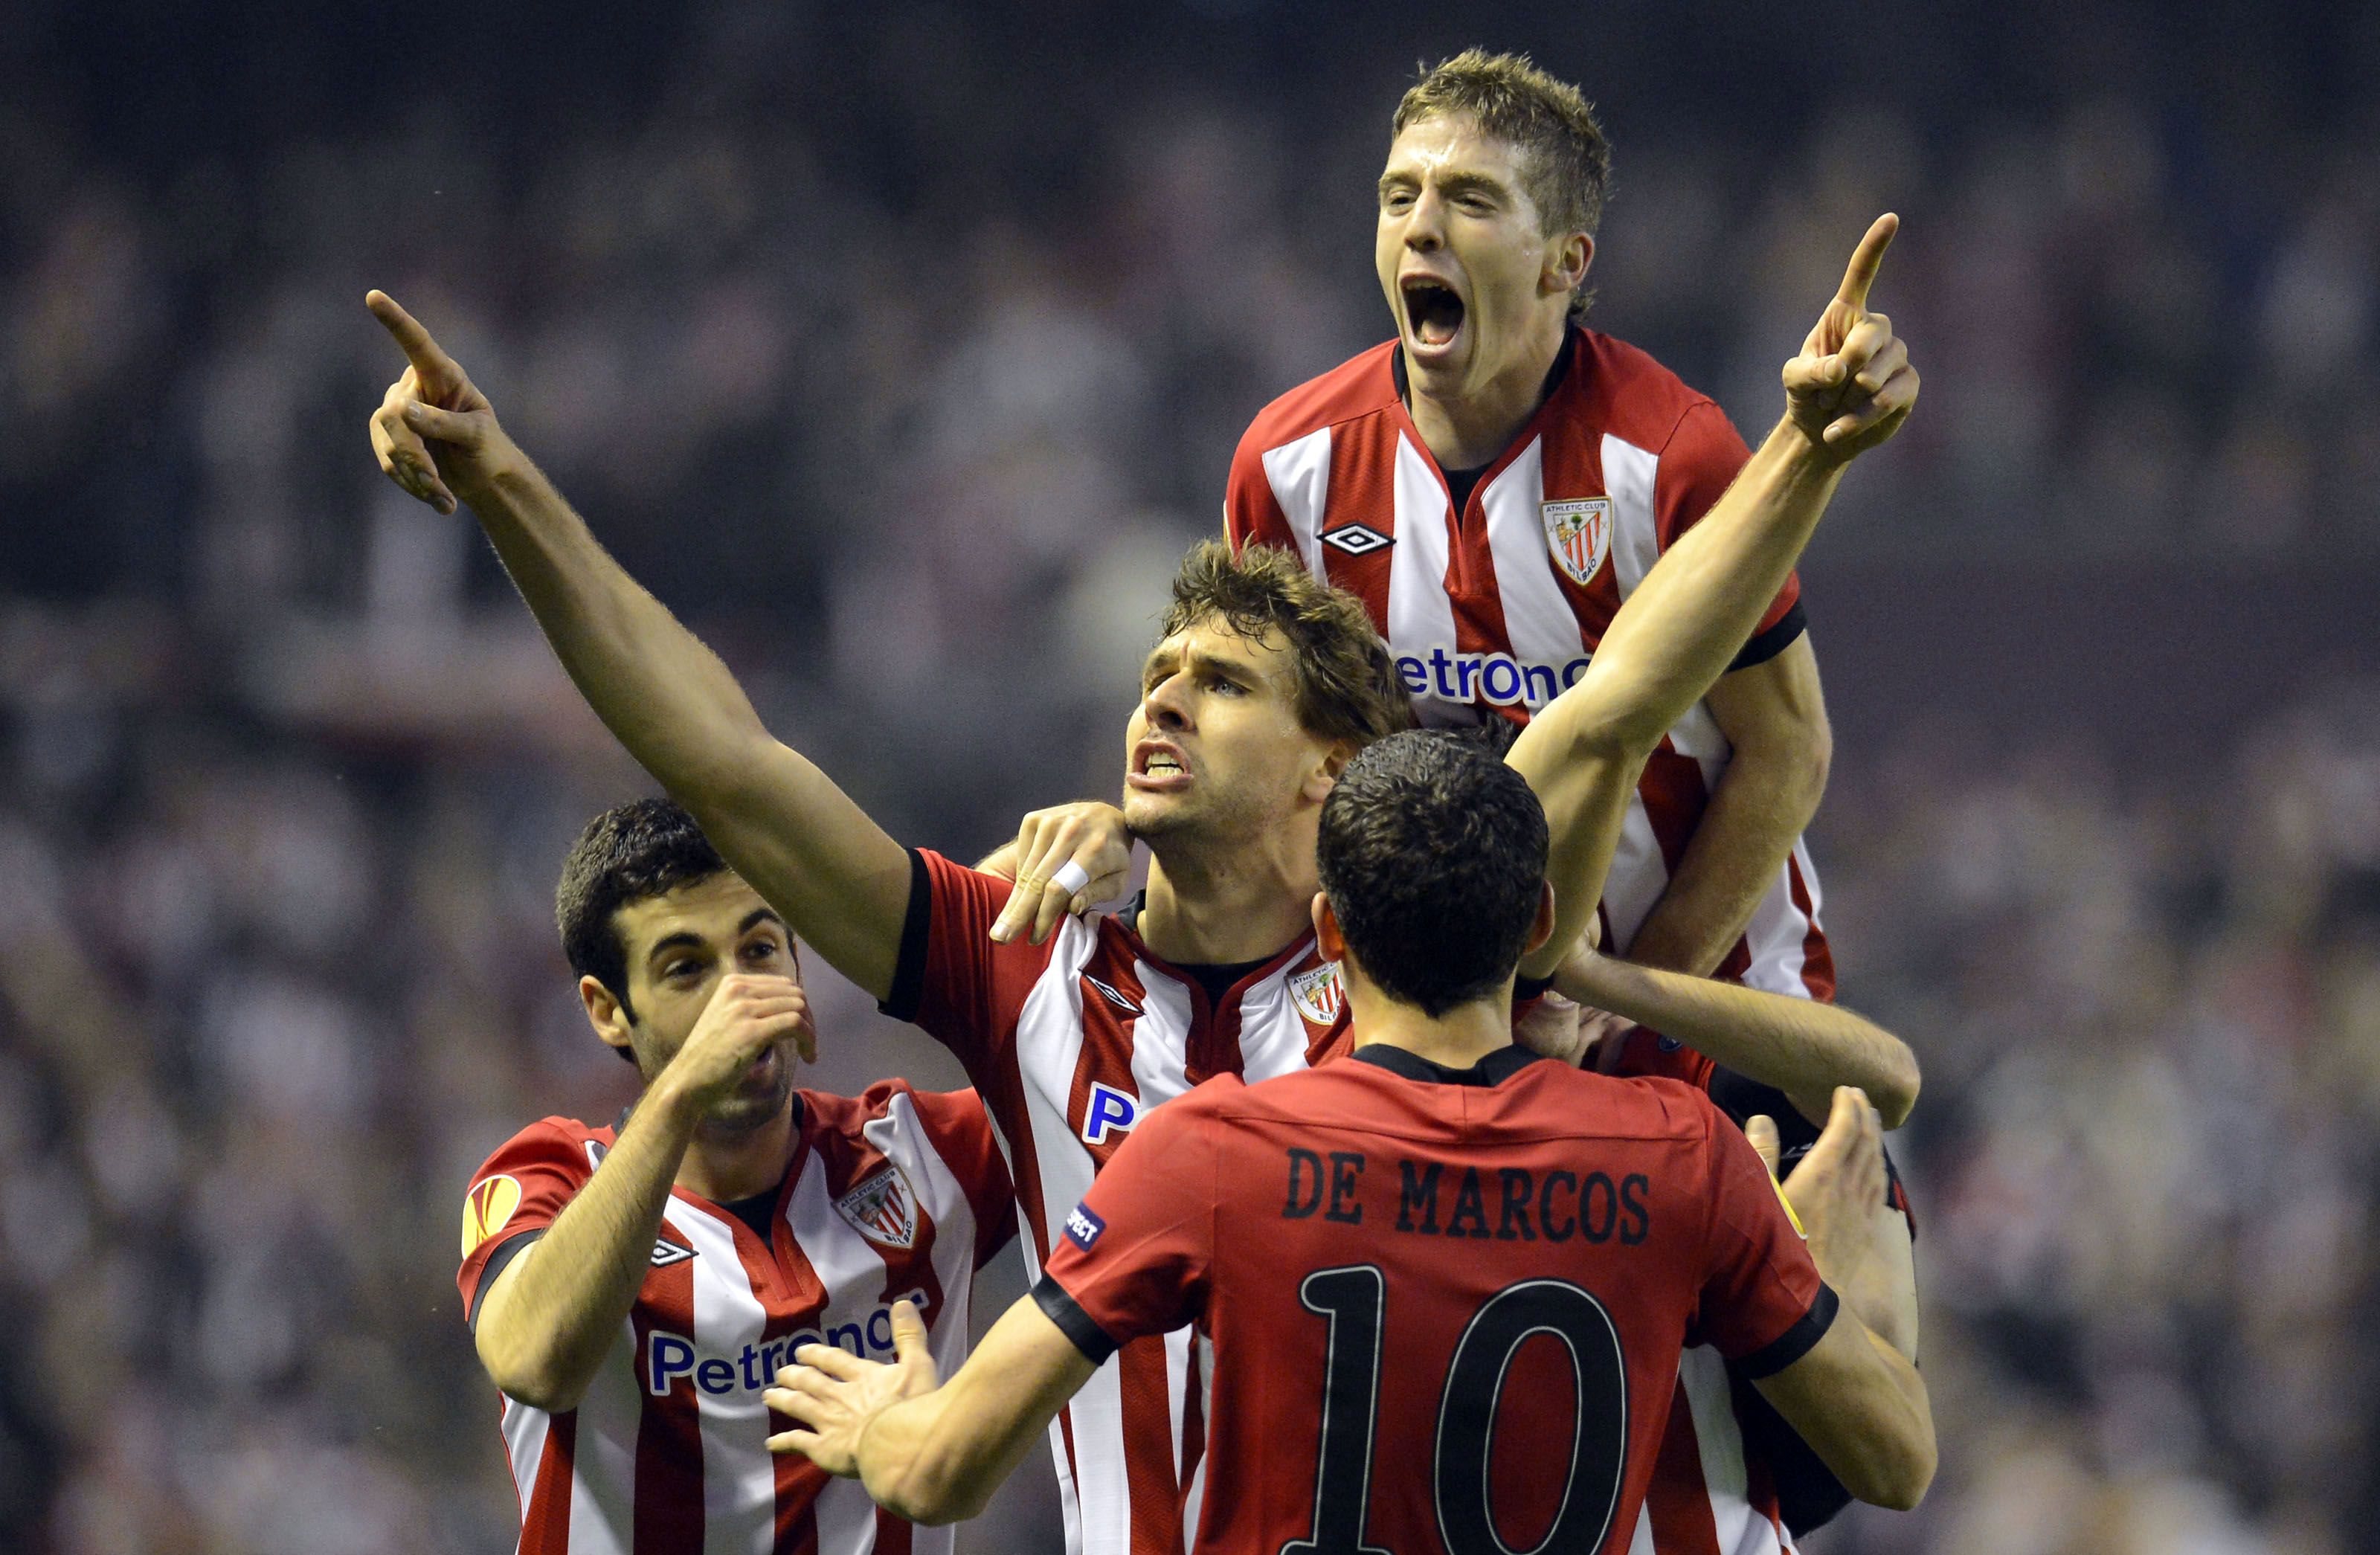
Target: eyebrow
x=1453 y=185
x=686 y=940
x=1200 y=658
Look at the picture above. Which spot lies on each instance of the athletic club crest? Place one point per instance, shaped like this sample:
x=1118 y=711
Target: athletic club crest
x=1579 y=535
x=882 y=1209
x=1317 y=993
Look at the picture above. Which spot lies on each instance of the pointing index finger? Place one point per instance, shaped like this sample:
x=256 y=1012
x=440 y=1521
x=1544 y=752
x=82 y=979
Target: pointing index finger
x=419 y=349
x=1866 y=260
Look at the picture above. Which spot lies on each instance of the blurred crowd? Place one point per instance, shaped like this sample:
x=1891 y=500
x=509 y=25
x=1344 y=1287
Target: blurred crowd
x=902 y=351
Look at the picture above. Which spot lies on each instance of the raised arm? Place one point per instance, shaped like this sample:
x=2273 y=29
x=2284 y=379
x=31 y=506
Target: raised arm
x=812 y=853
x=1847 y=390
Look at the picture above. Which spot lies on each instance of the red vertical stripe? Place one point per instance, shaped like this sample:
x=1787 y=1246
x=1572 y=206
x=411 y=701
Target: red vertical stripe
x=1362 y=490
x=668 y=1507
x=1141 y=1374
x=1817 y=960
x=545 y=1526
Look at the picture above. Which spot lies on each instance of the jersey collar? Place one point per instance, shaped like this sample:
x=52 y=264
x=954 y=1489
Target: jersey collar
x=1491 y=1071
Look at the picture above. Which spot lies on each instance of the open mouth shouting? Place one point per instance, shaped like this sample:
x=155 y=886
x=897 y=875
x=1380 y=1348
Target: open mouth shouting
x=1158 y=767
x=1434 y=315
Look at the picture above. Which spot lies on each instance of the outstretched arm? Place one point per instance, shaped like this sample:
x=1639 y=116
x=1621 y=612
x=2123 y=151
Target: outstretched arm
x=930 y=1453
x=1849 y=390
x=802 y=844
x=1800 y=1046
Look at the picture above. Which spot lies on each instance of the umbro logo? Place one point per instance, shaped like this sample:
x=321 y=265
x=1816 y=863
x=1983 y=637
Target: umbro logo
x=1357 y=539
x=1114 y=996
x=668 y=1253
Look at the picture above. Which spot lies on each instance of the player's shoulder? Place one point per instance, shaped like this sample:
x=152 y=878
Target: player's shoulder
x=558 y=1138
x=1630 y=392
x=893 y=1104
x=1638 y=1106
x=1362 y=385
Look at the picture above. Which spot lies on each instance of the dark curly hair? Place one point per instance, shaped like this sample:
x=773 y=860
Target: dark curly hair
x=1433 y=853
x=1347 y=687
x=627 y=854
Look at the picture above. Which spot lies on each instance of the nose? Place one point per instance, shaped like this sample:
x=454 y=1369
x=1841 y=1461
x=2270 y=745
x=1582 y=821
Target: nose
x=1425 y=223
x=1166 y=705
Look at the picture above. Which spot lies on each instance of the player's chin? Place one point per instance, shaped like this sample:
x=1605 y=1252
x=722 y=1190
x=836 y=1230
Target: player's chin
x=1157 y=815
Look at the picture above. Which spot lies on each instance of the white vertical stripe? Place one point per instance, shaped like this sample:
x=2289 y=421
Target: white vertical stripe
x=525 y=1431
x=1160 y=1039
x=1299 y=473
x=1641 y=1543
x=1272 y=1034
x=1194 y=1498
x=1178 y=1346
x=1420 y=615
x=853 y=1272
x=1720 y=1446
x=739 y=1478
x=1049 y=1048
x=1778 y=937
x=603 y=1454
x=902 y=1138
x=1628 y=475
x=1638 y=876
x=1539 y=625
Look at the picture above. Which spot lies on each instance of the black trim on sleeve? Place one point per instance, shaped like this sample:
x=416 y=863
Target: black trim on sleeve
x=508 y=1249
x=916 y=924
x=1766 y=645
x=1076 y=1324
x=1795 y=1341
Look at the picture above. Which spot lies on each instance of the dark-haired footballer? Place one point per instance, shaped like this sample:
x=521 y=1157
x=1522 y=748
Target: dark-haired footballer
x=631 y=1289
x=1447 y=1282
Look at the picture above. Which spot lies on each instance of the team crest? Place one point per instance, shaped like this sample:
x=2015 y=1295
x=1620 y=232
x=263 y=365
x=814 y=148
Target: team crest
x=486 y=1207
x=882 y=1209
x=1579 y=536
x=1318 y=994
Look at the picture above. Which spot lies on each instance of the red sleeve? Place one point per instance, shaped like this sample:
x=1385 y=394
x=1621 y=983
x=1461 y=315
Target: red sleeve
x=1762 y=1303
x=1134 y=1255
x=1702 y=459
x=951 y=980
x=961 y=1133
x=1252 y=514
x=1643 y=1052
x=518 y=1191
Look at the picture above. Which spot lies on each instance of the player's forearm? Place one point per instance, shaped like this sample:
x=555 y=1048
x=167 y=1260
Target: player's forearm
x=1755 y=814
x=1801 y=1047
x=543 y=1332
x=1863 y=1409
x=1691 y=614
x=668 y=697
x=801 y=843
x=938 y=1457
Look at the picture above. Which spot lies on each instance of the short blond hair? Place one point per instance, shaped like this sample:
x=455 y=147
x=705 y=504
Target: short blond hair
x=1565 y=160
x=1347 y=686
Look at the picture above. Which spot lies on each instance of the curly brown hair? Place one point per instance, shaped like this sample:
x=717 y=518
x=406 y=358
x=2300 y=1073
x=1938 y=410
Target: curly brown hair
x=1566 y=160
x=1347 y=686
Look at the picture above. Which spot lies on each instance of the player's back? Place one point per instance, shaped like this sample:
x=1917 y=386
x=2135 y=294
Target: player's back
x=1446 y=1309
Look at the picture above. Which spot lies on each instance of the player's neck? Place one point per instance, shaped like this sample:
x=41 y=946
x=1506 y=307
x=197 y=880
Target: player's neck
x=1469 y=423
x=1213 y=905
x=1456 y=1039
x=724 y=1168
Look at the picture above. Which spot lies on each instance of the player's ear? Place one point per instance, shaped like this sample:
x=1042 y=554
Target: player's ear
x=1326 y=937
x=604 y=1012
x=1325 y=777
x=1542 y=927
x=1568 y=259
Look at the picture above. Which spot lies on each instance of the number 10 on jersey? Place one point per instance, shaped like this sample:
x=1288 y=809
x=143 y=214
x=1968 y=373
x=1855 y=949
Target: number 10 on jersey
x=1353 y=1301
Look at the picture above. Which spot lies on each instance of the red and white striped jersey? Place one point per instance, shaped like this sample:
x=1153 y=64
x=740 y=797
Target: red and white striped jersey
x=1071 y=1043
x=894 y=1193
x=1495 y=609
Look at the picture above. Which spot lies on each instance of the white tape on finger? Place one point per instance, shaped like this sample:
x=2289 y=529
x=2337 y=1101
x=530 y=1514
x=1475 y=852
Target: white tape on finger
x=1071 y=877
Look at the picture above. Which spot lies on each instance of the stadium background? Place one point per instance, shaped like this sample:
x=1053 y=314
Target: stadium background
x=902 y=351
